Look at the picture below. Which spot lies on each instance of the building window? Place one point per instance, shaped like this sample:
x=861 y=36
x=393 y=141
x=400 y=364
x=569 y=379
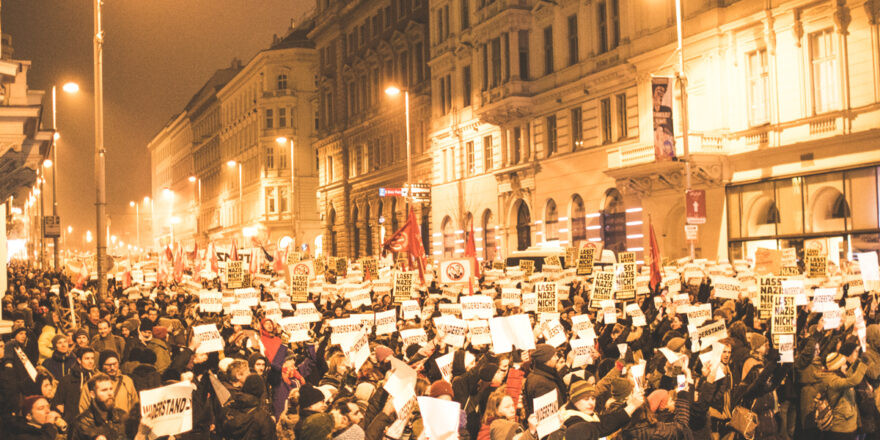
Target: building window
x=621 y=116
x=484 y=51
x=496 y=61
x=447 y=93
x=602 y=25
x=572 y=40
x=465 y=14
x=466 y=88
x=605 y=110
x=270 y=157
x=358 y=160
x=282 y=117
x=551 y=222
x=614 y=222
x=524 y=55
x=283 y=193
x=517 y=144
x=271 y=202
x=448 y=238
x=577 y=128
x=578 y=221
x=403 y=64
x=552 y=139
x=469 y=157
x=488 y=153
x=389 y=17
x=281 y=81
x=758 y=86
x=823 y=58
x=328 y=164
x=419 y=59
x=548 y=50
x=608 y=24
x=282 y=157
x=488 y=236
x=442 y=24
x=505 y=49
x=523 y=227
x=270 y=118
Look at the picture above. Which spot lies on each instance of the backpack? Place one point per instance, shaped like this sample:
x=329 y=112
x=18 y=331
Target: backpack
x=822 y=412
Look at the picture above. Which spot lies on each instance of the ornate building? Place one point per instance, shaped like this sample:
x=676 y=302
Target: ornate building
x=222 y=167
x=542 y=128
x=364 y=47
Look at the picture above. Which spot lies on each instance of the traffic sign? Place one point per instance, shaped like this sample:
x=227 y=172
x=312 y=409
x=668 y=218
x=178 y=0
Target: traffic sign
x=690 y=232
x=421 y=192
x=695 y=202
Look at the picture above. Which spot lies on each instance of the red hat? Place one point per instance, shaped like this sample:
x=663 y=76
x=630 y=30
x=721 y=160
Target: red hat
x=28 y=404
x=440 y=388
x=658 y=400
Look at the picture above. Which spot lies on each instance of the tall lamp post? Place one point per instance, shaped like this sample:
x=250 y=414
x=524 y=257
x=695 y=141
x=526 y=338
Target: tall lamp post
x=137 y=219
x=682 y=84
x=70 y=87
x=394 y=91
x=281 y=140
x=198 y=181
x=100 y=192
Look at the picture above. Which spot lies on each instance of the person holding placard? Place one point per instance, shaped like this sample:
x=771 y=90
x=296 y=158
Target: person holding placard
x=245 y=418
x=544 y=377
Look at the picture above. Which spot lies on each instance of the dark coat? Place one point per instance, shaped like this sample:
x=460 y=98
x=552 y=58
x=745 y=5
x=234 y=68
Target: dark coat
x=22 y=430
x=541 y=381
x=59 y=364
x=69 y=390
x=246 y=419
x=94 y=422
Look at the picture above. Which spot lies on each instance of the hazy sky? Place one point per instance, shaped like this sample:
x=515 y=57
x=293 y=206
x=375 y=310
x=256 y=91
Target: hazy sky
x=157 y=54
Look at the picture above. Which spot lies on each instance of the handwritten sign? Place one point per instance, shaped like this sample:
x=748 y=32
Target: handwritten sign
x=403 y=286
x=234 y=274
x=769 y=287
x=784 y=317
x=209 y=338
x=167 y=410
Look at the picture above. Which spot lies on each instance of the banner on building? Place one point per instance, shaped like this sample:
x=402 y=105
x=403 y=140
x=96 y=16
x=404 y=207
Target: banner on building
x=664 y=136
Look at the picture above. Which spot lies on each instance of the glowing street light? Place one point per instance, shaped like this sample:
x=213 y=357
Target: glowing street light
x=192 y=179
x=394 y=91
x=47 y=163
x=70 y=87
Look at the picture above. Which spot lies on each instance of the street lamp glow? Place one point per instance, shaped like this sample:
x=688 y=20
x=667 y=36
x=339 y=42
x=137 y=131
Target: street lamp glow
x=146 y=199
x=175 y=220
x=131 y=203
x=113 y=239
x=167 y=192
x=56 y=136
x=281 y=140
x=231 y=163
x=69 y=229
x=392 y=91
x=70 y=87
x=47 y=163
x=88 y=236
x=249 y=231
x=192 y=178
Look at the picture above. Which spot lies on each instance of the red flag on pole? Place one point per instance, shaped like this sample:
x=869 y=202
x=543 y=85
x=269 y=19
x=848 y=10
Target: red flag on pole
x=408 y=239
x=234 y=251
x=470 y=251
x=212 y=254
x=656 y=277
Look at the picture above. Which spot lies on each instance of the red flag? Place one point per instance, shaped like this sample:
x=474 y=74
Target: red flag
x=280 y=262
x=409 y=239
x=470 y=250
x=254 y=266
x=194 y=254
x=178 y=263
x=169 y=255
x=234 y=251
x=212 y=254
x=656 y=278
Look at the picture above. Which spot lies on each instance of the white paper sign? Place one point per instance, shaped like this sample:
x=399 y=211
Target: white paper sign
x=479 y=332
x=296 y=327
x=438 y=424
x=386 y=322
x=209 y=337
x=508 y=331
x=476 y=307
x=547 y=413
x=167 y=410
x=308 y=312
x=241 y=314
x=409 y=309
x=249 y=297
x=210 y=301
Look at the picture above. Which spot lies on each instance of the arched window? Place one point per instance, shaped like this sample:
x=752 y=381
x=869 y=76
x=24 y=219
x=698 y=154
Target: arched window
x=523 y=226
x=356 y=233
x=578 y=221
x=368 y=230
x=331 y=223
x=281 y=81
x=614 y=222
x=551 y=222
x=448 y=237
x=488 y=226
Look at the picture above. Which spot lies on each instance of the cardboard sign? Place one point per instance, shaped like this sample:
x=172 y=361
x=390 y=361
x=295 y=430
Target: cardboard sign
x=547 y=413
x=585 y=261
x=817 y=266
x=547 y=300
x=241 y=315
x=603 y=286
x=413 y=336
x=403 y=286
x=167 y=410
x=299 y=288
x=511 y=296
x=296 y=327
x=477 y=307
x=529 y=302
x=479 y=333
x=210 y=301
x=234 y=274
x=527 y=266
x=386 y=322
x=209 y=338
x=552 y=260
x=625 y=280
x=726 y=287
x=784 y=318
x=409 y=309
x=510 y=331
x=248 y=297
x=455 y=271
x=308 y=312
x=769 y=288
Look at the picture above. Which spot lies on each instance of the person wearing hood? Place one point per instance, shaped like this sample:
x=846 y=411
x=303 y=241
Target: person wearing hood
x=142 y=370
x=70 y=387
x=314 y=423
x=61 y=361
x=544 y=377
x=245 y=418
x=16 y=363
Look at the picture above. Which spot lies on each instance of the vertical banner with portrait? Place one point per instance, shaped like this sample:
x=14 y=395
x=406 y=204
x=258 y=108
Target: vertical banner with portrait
x=661 y=101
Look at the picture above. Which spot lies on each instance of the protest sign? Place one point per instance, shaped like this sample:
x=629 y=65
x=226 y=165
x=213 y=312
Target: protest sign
x=585 y=261
x=210 y=301
x=870 y=270
x=786 y=349
x=554 y=333
x=477 y=307
x=247 y=296
x=767 y=261
x=455 y=330
x=816 y=266
x=271 y=311
x=413 y=336
x=784 y=317
x=698 y=314
x=552 y=260
x=795 y=288
x=455 y=271
x=241 y=315
x=449 y=309
x=209 y=338
x=403 y=286
x=626 y=257
x=643 y=285
x=608 y=311
x=357 y=349
x=582 y=327
x=770 y=287
x=234 y=274
x=823 y=300
x=511 y=296
x=546 y=294
x=293 y=257
x=359 y=297
x=527 y=266
x=436 y=418
x=726 y=287
x=479 y=332
x=308 y=312
x=344 y=329
x=444 y=364
x=296 y=327
x=832 y=317
x=581 y=350
x=603 y=285
x=711 y=332
x=386 y=322
x=625 y=281
x=409 y=309
x=530 y=302
x=509 y=331
x=299 y=287
x=547 y=413
x=167 y=410
x=370 y=266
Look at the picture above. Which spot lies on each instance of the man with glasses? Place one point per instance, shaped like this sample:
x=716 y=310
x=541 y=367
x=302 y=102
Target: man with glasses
x=125 y=396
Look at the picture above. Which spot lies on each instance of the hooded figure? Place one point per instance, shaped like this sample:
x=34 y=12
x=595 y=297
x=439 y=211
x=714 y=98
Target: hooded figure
x=245 y=418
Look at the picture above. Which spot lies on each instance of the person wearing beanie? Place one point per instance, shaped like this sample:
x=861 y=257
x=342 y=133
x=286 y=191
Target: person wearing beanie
x=544 y=377
x=581 y=406
x=246 y=417
x=314 y=422
x=36 y=421
x=158 y=346
x=70 y=387
x=141 y=367
x=610 y=422
x=441 y=389
x=126 y=397
x=81 y=338
x=838 y=386
x=61 y=361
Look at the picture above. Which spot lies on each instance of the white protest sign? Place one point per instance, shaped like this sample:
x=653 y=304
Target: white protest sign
x=582 y=327
x=357 y=349
x=795 y=288
x=786 y=349
x=476 y=307
x=413 y=336
x=444 y=364
x=823 y=300
x=508 y=331
x=296 y=327
x=546 y=295
x=308 y=311
x=711 y=332
x=699 y=314
x=726 y=287
x=547 y=413
x=478 y=330
x=436 y=418
x=241 y=314
x=638 y=317
x=359 y=297
x=167 y=410
x=870 y=270
x=409 y=309
x=209 y=337
x=248 y=296
x=455 y=329
x=832 y=317
x=554 y=333
x=581 y=350
x=210 y=301
x=386 y=322
x=529 y=302
x=511 y=296
x=344 y=329
x=271 y=310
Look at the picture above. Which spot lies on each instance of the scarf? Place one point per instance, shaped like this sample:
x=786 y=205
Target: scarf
x=271 y=343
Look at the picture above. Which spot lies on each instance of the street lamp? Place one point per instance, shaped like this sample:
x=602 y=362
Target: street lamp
x=194 y=179
x=232 y=164
x=69 y=87
x=281 y=140
x=682 y=83
x=394 y=91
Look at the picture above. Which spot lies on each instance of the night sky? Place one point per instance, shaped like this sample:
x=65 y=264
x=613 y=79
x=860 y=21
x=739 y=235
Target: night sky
x=157 y=54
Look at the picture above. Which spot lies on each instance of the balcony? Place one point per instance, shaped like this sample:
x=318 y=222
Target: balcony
x=505 y=103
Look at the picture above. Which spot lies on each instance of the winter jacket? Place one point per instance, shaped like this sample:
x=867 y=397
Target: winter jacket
x=44 y=343
x=314 y=426
x=69 y=391
x=20 y=429
x=60 y=364
x=609 y=423
x=126 y=396
x=540 y=381
x=675 y=429
x=111 y=342
x=94 y=422
x=163 y=356
x=144 y=376
x=246 y=419
x=839 y=391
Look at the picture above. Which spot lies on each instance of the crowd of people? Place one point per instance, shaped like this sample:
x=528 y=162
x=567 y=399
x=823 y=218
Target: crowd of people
x=641 y=380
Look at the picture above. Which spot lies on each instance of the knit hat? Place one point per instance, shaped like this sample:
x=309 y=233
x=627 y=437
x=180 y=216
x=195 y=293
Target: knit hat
x=224 y=363
x=543 y=353
x=412 y=350
x=28 y=403
x=146 y=325
x=309 y=395
x=440 y=388
x=675 y=344
x=80 y=332
x=834 y=361
x=620 y=388
x=383 y=352
x=756 y=341
x=57 y=338
x=253 y=385
x=487 y=371
x=364 y=391
x=105 y=356
x=658 y=400
x=580 y=389
x=17 y=331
